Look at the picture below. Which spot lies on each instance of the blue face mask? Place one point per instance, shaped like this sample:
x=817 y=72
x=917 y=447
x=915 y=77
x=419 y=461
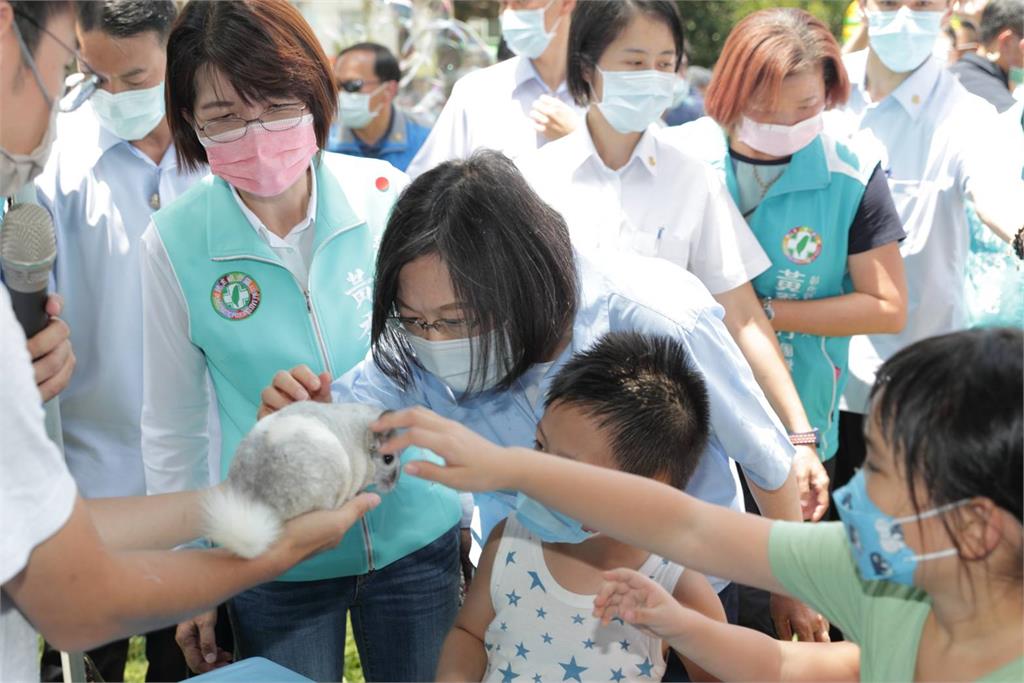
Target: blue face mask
x=633 y=100
x=132 y=114
x=876 y=539
x=549 y=525
x=524 y=31
x=903 y=39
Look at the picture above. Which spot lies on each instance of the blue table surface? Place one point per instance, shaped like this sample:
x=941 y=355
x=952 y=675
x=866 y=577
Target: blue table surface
x=252 y=670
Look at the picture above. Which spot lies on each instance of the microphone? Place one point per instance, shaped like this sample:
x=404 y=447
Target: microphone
x=28 y=247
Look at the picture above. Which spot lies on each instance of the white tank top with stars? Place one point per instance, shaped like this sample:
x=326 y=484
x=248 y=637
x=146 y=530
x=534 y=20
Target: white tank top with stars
x=543 y=632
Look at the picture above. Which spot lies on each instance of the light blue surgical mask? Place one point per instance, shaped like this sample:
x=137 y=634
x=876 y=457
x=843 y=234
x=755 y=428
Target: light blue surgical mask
x=633 y=100
x=354 y=109
x=903 y=39
x=524 y=31
x=132 y=114
x=876 y=539
x=551 y=526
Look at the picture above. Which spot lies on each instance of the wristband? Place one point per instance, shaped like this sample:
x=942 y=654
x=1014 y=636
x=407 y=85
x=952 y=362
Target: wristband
x=810 y=438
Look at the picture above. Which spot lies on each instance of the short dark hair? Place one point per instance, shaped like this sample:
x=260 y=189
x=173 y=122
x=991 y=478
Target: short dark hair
x=385 y=66
x=596 y=23
x=126 y=18
x=265 y=48
x=31 y=16
x=508 y=255
x=950 y=408
x=644 y=391
x=998 y=16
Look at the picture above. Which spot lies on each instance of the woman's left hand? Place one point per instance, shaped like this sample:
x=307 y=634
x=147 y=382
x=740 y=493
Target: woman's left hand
x=812 y=480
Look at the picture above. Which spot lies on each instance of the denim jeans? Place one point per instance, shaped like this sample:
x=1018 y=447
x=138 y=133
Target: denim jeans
x=400 y=617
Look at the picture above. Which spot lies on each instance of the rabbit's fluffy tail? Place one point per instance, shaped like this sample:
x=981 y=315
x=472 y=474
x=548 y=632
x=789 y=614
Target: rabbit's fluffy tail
x=244 y=526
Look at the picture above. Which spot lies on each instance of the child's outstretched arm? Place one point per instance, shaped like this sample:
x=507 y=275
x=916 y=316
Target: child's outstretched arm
x=635 y=510
x=730 y=653
x=463 y=656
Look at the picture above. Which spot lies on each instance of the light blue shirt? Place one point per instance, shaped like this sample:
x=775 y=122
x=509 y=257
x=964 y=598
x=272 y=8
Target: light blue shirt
x=101 y=191
x=630 y=294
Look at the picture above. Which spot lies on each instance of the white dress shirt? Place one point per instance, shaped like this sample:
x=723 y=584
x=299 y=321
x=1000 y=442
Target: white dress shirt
x=662 y=203
x=489 y=108
x=928 y=132
x=101 y=191
x=172 y=434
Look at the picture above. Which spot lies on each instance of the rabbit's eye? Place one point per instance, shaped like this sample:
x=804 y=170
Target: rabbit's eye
x=388 y=459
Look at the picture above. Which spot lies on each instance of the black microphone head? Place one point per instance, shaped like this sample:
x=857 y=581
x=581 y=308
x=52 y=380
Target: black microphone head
x=28 y=247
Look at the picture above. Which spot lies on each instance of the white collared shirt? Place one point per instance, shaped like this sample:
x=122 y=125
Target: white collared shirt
x=101 y=191
x=489 y=108
x=662 y=203
x=928 y=132
x=296 y=248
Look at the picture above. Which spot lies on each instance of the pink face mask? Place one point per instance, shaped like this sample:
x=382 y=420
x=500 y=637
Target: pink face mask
x=262 y=162
x=776 y=140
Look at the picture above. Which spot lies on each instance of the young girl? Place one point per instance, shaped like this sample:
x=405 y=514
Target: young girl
x=528 y=612
x=924 y=572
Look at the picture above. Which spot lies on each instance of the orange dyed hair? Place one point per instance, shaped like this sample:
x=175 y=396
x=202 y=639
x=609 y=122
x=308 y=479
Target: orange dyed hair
x=764 y=48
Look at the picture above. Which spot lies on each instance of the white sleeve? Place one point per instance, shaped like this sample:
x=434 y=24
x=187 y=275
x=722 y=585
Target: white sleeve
x=725 y=254
x=448 y=139
x=37 y=492
x=175 y=397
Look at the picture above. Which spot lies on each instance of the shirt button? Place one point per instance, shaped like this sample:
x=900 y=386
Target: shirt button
x=916 y=99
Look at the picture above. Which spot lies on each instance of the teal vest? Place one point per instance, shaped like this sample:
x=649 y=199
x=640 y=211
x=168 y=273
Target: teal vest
x=252 y=318
x=803 y=224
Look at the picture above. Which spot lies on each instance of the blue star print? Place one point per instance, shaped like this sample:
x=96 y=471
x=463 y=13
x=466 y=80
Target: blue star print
x=624 y=644
x=488 y=646
x=617 y=675
x=645 y=668
x=507 y=674
x=537 y=678
x=578 y=619
x=535 y=582
x=513 y=599
x=521 y=651
x=547 y=638
x=541 y=613
x=504 y=626
x=589 y=644
x=572 y=670
x=510 y=558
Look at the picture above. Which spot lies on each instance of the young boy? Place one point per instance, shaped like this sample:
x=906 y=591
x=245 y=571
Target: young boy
x=630 y=403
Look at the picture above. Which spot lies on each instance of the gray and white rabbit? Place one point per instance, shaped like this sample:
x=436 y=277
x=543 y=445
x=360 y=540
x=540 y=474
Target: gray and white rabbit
x=307 y=456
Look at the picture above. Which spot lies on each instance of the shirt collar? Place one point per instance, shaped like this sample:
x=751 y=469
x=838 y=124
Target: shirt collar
x=579 y=147
x=912 y=94
x=302 y=225
x=525 y=72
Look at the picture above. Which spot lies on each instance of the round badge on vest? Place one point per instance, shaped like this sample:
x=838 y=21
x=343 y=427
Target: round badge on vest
x=801 y=245
x=235 y=296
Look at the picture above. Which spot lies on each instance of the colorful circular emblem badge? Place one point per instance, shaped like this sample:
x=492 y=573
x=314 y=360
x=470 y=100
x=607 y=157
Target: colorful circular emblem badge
x=801 y=245
x=235 y=296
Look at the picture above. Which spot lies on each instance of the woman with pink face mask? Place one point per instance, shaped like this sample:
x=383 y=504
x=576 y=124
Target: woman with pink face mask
x=268 y=263
x=820 y=208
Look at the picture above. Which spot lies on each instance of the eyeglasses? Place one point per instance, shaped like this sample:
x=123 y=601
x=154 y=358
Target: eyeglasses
x=77 y=88
x=449 y=327
x=355 y=85
x=275 y=119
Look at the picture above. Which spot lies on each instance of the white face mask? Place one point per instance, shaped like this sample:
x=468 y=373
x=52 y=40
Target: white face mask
x=633 y=100
x=354 y=108
x=903 y=39
x=450 y=361
x=132 y=114
x=524 y=31
x=778 y=140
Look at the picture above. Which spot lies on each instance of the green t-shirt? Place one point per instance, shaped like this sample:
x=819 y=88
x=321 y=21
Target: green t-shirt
x=813 y=563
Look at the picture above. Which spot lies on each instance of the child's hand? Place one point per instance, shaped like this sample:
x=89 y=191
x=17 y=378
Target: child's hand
x=640 y=601
x=473 y=462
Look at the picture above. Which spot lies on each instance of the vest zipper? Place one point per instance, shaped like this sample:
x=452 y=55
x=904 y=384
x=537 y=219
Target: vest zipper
x=317 y=332
x=832 y=402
